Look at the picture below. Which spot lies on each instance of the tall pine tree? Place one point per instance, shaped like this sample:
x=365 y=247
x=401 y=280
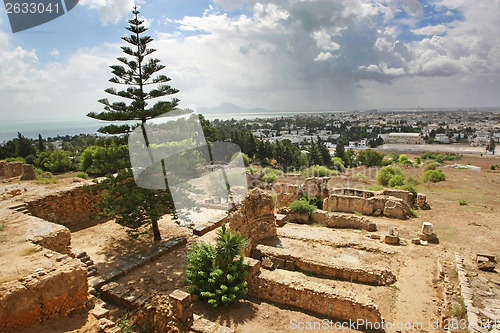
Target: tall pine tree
x=131 y=205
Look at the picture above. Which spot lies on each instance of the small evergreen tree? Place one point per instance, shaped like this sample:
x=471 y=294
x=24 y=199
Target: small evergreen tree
x=340 y=150
x=214 y=274
x=41 y=145
x=24 y=147
x=123 y=199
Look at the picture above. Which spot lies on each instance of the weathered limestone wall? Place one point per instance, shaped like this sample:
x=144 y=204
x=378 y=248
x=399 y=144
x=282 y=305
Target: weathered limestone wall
x=68 y=207
x=254 y=218
x=51 y=236
x=284 y=259
x=310 y=296
x=376 y=205
x=16 y=169
x=341 y=220
x=45 y=295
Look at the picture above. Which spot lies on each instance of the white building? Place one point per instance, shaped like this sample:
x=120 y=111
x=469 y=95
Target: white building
x=443 y=138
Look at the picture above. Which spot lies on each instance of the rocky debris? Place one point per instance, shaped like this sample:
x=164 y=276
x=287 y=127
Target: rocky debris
x=396 y=208
x=486 y=262
x=99 y=311
x=427 y=233
x=300 y=218
x=254 y=218
x=422 y=201
x=406 y=196
x=285 y=195
x=202 y=325
x=392 y=237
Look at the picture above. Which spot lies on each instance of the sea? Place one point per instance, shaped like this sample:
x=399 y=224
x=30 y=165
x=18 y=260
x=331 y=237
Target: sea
x=52 y=128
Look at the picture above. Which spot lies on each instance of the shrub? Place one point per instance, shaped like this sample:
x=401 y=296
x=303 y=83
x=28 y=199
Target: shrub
x=45 y=178
x=418 y=160
x=82 y=175
x=338 y=164
x=54 y=161
x=431 y=166
x=302 y=206
x=246 y=160
x=394 y=157
x=30 y=159
x=412 y=180
x=2 y=227
x=462 y=202
x=434 y=176
x=370 y=157
x=494 y=166
x=386 y=173
x=428 y=156
x=410 y=187
x=318 y=171
x=396 y=180
x=270 y=175
x=102 y=160
x=15 y=159
x=386 y=162
x=403 y=158
x=214 y=274
x=316 y=200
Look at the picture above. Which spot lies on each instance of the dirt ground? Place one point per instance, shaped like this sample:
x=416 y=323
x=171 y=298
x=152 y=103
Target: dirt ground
x=464 y=229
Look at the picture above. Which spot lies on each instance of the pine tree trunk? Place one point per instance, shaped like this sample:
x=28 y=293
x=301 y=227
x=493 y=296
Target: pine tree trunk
x=156 y=231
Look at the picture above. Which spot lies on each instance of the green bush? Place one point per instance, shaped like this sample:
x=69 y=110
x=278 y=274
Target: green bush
x=15 y=159
x=462 y=202
x=271 y=175
x=83 y=175
x=56 y=160
x=494 y=166
x=402 y=159
x=431 y=166
x=434 y=176
x=338 y=164
x=103 y=160
x=30 y=159
x=428 y=156
x=318 y=171
x=214 y=274
x=412 y=180
x=396 y=180
x=386 y=162
x=370 y=157
x=246 y=160
x=409 y=187
x=394 y=157
x=316 y=200
x=418 y=160
x=302 y=206
x=386 y=173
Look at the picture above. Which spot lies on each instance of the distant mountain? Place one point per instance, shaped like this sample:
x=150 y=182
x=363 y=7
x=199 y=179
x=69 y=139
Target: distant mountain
x=229 y=108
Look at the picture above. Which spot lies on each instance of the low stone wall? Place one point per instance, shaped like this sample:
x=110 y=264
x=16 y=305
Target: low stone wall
x=282 y=258
x=68 y=207
x=310 y=296
x=45 y=295
x=17 y=169
x=376 y=205
x=342 y=220
x=51 y=236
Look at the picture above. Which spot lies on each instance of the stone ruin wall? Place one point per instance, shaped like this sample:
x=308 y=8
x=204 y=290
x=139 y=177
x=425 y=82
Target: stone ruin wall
x=313 y=297
x=44 y=295
x=17 y=169
x=68 y=207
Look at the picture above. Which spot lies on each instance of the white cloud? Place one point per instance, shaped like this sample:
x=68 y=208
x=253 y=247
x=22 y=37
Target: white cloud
x=323 y=56
x=110 y=11
x=431 y=30
x=54 y=53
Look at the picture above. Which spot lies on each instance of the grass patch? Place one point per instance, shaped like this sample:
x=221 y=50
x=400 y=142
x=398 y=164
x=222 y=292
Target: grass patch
x=358 y=213
x=458 y=309
x=2 y=227
x=462 y=202
x=83 y=175
x=413 y=212
x=374 y=188
x=318 y=171
x=446 y=233
x=302 y=206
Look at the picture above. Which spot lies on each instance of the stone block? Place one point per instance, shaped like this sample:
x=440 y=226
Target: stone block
x=181 y=306
x=391 y=239
x=427 y=228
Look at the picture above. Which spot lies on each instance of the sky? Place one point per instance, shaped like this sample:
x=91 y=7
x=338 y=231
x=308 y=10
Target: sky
x=273 y=54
